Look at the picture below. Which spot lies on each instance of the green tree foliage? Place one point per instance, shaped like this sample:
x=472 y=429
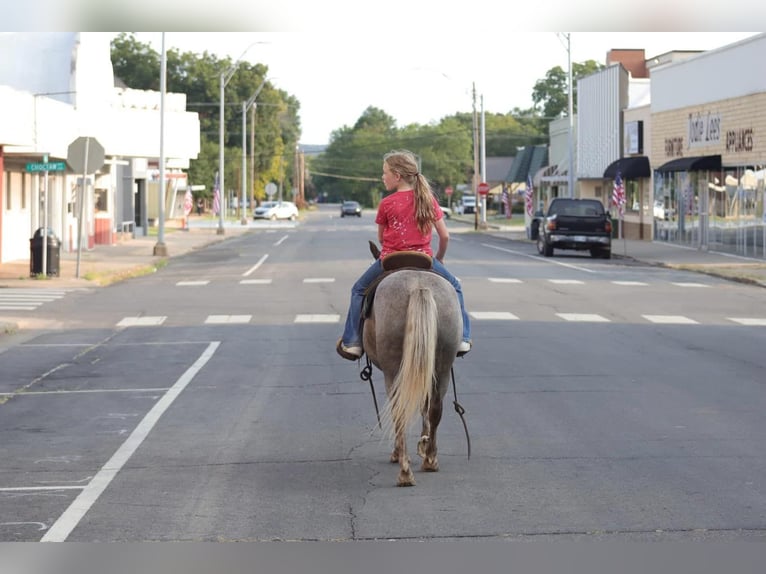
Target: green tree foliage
x=550 y=94
x=198 y=76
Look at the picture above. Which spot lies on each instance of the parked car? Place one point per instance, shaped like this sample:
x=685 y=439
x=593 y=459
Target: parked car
x=350 y=208
x=446 y=211
x=274 y=210
x=467 y=204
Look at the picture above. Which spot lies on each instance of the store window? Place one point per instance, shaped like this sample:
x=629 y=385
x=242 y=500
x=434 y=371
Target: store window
x=632 y=197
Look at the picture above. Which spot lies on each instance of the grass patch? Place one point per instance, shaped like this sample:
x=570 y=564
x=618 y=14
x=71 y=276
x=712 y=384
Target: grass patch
x=104 y=278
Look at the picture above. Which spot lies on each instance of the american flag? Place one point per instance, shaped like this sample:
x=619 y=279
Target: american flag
x=188 y=202
x=529 y=197
x=216 y=195
x=618 y=194
x=506 y=199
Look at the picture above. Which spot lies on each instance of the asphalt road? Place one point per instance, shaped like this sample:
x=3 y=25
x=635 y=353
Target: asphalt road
x=604 y=399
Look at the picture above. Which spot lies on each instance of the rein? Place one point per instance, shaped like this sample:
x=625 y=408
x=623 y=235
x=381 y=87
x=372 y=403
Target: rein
x=366 y=375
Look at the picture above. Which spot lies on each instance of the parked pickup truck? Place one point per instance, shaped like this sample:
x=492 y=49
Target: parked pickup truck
x=580 y=224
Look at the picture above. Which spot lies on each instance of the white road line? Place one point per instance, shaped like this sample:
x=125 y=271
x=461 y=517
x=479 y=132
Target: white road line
x=493 y=316
x=17 y=308
x=319 y=280
x=255 y=282
x=227 y=319
x=141 y=321
x=280 y=240
x=583 y=317
x=256 y=266
x=566 y=281
x=670 y=319
x=503 y=280
x=749 y=321
x=631 y=283
x=38 y=488
x=82 y=391
x=690 y=285
x=72 y=516
x=316 y=319
x=191 y=283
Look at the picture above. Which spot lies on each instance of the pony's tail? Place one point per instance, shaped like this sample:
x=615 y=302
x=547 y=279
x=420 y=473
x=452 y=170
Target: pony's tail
x=414 y=381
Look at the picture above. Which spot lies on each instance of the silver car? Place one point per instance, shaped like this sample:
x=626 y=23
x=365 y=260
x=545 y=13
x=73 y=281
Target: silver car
x=274 y=210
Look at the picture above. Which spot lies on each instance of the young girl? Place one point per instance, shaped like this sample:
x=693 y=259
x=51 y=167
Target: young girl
x=405 y=221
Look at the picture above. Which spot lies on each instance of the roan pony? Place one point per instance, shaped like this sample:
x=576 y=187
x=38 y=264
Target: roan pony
x=412 y=334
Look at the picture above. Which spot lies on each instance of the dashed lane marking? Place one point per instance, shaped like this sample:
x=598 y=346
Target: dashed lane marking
x=566 y=281
x=631 y=283
x=583 y=317
x=504 y=280
x=317 y=318
x=255 y=282
x=141 y=321
x=749 y=321
x=319 y=280
x=493 y=316
x=690 y=284
x=670 y=319
x=227 y=319
x=191 y=283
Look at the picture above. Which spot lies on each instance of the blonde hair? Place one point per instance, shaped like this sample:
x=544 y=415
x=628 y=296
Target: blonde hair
x=404 y=163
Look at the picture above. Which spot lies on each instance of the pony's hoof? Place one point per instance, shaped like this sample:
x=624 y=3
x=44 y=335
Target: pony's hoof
x=406 y=479
x=394 y=457
x=430 y=466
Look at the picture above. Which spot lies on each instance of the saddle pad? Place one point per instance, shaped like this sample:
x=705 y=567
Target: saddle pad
x=401 y=259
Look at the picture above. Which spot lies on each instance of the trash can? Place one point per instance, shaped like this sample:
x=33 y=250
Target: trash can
x=52 y=255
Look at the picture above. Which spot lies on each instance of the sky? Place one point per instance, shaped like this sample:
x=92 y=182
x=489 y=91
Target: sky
x=423 y=79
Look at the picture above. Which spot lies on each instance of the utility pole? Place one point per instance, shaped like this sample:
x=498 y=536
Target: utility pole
x=475 y=181
x=570 y=108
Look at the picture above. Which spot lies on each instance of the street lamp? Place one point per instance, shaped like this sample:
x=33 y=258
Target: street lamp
x=225 y=78
x=570 y=113
x=246 y=106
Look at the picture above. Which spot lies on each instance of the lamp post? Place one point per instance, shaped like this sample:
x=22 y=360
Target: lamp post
x=246 y=106
x=570 y=113
x=160 y=249
x=225 y=78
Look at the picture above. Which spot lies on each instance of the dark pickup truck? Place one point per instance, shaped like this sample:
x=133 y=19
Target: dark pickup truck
x=580 y=224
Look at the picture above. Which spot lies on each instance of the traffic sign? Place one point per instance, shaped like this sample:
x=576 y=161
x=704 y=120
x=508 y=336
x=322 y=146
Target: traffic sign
x=85 y=149
x=483 y=188
x=36 y=167
x=448 y=191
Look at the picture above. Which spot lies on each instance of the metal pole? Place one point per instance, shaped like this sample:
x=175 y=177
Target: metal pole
x=45 y=219
x=570 y=107
x=475 y=161
x=220 y=159
x=160 y=248
x=243 y=201
x=81 y=207
x=483 y=162
x=252 y=156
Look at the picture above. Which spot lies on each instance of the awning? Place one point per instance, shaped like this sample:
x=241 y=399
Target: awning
x=629 y=167
x=556 y=174
x=697 y=163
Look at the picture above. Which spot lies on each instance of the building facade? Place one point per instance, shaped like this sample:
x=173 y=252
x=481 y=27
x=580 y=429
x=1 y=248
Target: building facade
x=68 y=93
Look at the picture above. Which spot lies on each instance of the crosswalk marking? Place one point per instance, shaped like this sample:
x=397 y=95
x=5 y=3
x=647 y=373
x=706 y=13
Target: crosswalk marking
x=27 y=299
x=255 y=282
x=749 y=321
x=141 y=321
x=583 y=317
x=494 y=315
x=503 y=280
x=631 y=283
x=191 y=283
x=227 y=319
x=566 y=281
x=689 y=284
x=317 y=318
x=670 y=319
x=319 y=280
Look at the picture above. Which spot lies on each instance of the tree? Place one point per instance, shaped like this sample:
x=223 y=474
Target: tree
x=552 y=93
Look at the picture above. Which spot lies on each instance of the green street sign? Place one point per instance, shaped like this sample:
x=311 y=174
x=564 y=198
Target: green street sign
x=36 y=167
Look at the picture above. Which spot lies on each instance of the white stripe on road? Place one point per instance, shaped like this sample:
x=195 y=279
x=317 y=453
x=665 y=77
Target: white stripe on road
x=749 y=321
x=493 y=316
x=255 y=282
x=538 y=258
x=191 y=283
x=690 y=285
x=670 y=319
x=256 y=266
x=72 y=516
x=319 y=280
x=142 y=321
x=583 y=317
x=227 y=319
x=631 y=283
x=503 y=280
x=566 y=281
x=316 y=319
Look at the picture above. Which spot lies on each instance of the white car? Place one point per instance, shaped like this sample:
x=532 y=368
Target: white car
x=274 y=210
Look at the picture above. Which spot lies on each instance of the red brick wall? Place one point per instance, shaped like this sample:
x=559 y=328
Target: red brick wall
x=632 y=60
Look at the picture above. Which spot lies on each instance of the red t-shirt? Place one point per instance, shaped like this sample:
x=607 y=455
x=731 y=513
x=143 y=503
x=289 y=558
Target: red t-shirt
x=396 y=213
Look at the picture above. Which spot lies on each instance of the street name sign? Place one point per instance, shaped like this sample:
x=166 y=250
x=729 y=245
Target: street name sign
x=35 y=167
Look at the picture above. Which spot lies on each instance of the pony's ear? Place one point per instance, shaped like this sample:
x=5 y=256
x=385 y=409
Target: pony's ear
x=374 y=250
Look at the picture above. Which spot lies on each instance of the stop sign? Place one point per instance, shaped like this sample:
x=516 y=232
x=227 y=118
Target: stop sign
x=483 y=188
x=448 y=191
x=85 y=155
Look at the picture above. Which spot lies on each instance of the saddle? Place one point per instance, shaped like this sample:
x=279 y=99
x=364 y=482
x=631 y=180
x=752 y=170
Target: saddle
x=391 y=263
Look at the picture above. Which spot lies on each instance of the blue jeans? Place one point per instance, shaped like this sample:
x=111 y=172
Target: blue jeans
x=352 y=335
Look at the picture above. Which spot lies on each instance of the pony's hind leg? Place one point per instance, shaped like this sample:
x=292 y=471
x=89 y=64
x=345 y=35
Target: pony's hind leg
x=427 y=444
x=406 y=478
